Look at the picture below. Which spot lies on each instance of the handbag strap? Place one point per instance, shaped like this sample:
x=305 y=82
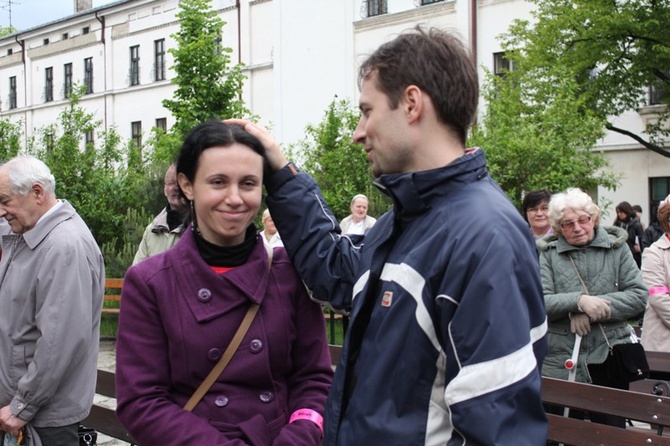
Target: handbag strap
x=586 y=290
x=214 y=374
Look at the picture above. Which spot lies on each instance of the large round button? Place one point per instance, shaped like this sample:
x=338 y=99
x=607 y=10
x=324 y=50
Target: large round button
x=256 y=345
x=266 y=397
x=221 y=401
x=204 y=295
x=214 y=354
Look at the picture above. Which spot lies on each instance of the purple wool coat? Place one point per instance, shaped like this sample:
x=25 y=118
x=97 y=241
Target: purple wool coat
x=177 y=318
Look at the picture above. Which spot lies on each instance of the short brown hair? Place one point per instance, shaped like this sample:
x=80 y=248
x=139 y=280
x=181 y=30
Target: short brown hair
x=436 y=62
x=663 y=215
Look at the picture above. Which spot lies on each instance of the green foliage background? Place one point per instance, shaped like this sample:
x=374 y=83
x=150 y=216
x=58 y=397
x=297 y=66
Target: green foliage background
x=339 y=166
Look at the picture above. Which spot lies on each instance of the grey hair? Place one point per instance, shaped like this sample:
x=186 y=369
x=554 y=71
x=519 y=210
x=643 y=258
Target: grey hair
x=574 y=199
x=356 y=197
x=24 y=171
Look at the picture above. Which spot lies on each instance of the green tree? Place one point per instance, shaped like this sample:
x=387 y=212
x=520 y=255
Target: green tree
x=10 y=139
x=207 y=85
x=6 y=30
x=613 y=50
x=531 y=145
x=94 y=179
x=339 y=166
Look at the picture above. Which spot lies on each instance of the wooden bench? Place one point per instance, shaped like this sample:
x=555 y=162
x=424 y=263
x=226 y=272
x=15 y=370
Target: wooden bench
x=103 y=419
x=115 y=296
x=636 y=406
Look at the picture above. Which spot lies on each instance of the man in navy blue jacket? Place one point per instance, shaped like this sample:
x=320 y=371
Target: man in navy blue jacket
x=448 y=325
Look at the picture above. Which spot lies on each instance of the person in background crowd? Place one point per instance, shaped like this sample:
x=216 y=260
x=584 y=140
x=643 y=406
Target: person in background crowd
x=535 y=206
x=169 y=224
x=359 y=221
x=638 y=213
x=626 y=218
x=182 y=307
x=651 y=234
x=269 y=233
x=656 y=275
x=446 y=283
x=590 y=281
x=52 y=281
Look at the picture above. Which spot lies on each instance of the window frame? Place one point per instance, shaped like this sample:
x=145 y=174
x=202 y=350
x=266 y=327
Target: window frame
x=159 y=60
x=134 y=71
x=48 y=84
x=88 y=75
x=12 y=92
x=136 y=133
x=67 y=80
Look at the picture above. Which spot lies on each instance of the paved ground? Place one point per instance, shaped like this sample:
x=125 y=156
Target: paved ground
x=106 y=361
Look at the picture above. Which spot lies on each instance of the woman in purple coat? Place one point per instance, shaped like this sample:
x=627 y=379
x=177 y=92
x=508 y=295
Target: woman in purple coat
x=181 y=309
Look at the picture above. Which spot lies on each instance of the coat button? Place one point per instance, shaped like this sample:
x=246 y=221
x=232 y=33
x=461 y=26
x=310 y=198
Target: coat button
x=256 y=345
x=214 y=354
x=204 y=295
x=266 y=397
x=221 y=401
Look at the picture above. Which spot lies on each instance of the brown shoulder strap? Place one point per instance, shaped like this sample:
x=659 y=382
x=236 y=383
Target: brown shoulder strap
x=214 y=374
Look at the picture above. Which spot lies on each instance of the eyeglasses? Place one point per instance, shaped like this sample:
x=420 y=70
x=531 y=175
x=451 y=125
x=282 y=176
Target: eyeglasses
x=544 y=209
x=570 y=225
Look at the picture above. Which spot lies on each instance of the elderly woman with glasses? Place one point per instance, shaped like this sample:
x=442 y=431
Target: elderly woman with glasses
x=656 y=275
x=592 y=286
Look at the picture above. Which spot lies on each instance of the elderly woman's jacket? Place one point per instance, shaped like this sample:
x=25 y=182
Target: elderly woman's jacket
x=178 y=317
x=609 y=271
x=656 y=275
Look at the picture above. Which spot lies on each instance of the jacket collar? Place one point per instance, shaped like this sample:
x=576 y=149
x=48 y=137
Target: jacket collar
x=35 y=236
x=663 y=242
x=412 y=192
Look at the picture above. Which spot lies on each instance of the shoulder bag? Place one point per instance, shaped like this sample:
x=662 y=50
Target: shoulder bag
x=626 y=362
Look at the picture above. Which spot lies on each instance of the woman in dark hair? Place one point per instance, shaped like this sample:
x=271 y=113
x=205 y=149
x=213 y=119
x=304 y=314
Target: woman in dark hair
x=535 y=207
x=182 y=308
x=627 y=219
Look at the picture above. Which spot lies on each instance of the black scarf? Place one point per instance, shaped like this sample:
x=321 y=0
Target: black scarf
x=226 y=256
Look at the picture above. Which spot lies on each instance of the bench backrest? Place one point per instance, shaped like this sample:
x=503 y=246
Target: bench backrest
x=636 y=406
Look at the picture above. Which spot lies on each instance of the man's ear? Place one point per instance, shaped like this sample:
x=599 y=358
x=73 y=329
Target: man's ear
x=413 y=104
x=185 y=185
x=38 y=191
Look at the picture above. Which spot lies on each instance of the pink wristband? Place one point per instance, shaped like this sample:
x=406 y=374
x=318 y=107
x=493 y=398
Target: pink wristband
x=658 y=290
x=308 y=414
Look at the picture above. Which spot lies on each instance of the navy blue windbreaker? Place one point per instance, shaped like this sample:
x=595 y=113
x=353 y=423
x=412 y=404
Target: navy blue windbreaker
x=446 y=340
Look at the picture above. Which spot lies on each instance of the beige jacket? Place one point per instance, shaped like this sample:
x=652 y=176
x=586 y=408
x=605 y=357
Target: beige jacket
x=656 y=274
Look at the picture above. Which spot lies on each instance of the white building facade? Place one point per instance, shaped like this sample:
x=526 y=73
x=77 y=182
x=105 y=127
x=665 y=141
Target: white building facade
x=298 y=55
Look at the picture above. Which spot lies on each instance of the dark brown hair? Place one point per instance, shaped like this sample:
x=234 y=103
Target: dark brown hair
x=436 y=62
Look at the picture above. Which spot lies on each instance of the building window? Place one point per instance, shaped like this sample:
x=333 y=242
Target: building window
x=134 y=65
x=501 y=64
x=159 y=59
x=48 y=84
x=67 y=83
x=88 y=74
x=659 y=91
x=12 y=92
x=65 y=36
x=428 y=2
x=161 y=124
x=10 y=51
x=659 y=188
x=88 y=138
x=85 y=30
x=376 y=7
x=45 y=41
x=136 y=133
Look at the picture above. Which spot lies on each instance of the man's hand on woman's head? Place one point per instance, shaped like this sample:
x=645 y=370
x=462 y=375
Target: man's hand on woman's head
x=275 y=157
